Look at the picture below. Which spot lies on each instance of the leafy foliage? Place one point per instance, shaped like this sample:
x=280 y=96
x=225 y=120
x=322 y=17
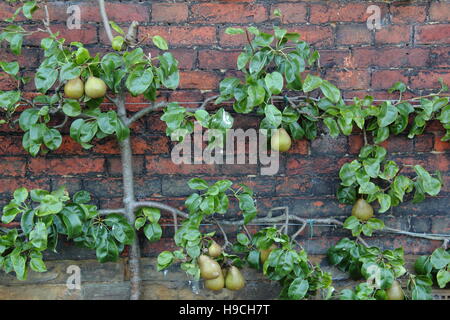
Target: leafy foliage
x=435 y=267
x=44 y=216
x=379 y=179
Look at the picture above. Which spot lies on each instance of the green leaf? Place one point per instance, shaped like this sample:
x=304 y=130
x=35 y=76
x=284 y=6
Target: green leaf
x=10 y=212
x=160 y=42
x=71 y=108
x=440 y=258
x=385 y=202
x=153 y=232
x=443 y=277
x=38 y=236
x=311 y=83
x=81 y=197
x=11 y=68
x=152 y=214
x=69 y=71
x=256 y=95
x=19 y=266
x=116 y=28
x=332 y=126
x=165 y=258
x=27 y=118
x=21 y=194
x=398 y=86
x=139 y=81
x=198 y=184
x=233 y=31
x=38 y=265
x=351 y=223
x=330 y=91
x=298 y=289
x=388 y=114
x=52 y=139
x=274 y=82
x=71 y=216
x=273 y=116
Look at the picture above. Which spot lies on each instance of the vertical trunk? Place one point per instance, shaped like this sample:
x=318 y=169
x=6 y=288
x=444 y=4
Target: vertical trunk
x=129 y=202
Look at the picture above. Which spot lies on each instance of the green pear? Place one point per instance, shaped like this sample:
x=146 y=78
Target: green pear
x=281 y=141
x=215 y=284
x=209 y=268
x=74 y=89
x=395 y=292
x=95 y=88
x=214 y=250
x=362 y=210
x=264 y=253
x=234 y=279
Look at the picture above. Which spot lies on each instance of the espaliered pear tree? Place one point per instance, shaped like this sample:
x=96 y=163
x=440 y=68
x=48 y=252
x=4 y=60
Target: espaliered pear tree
x=72 y=86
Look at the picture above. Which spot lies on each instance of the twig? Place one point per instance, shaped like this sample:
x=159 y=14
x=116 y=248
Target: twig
x=101 y=4
x=225 y=238
x=143 y=112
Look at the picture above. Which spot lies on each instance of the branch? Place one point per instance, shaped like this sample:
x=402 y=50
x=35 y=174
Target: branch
x=225 y=237
x=143 y=112
x=101 y=4
x=159 y=205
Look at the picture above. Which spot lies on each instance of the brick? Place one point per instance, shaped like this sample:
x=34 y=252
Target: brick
x=117 y=12
x=6 y=82
x=181 y=36
x=392 y=34
x=157 y=165
x=439 y=145
x=407 y=14
x=398 y=144
x=115 y=165
x=299 y=147
x=335 y=58
x=341 y=12
x=98 y=188
x=389 y=57
x=325 y=144
x=440 y=57
x=355 y=142
x=227 y=12
x=317 y=165
x=319 y=36
x=428 y=79
x=423 y=143
x=433 y=34
x=384 y=79
x=232 y=40
x=292 y=12
x=68 y=166
x=439 y=11
x=217 y=59
x=72 y=185
x=9 y=185
x=28 y=58
x=12 y=166
x=353 y=34
x=199 y=80
x=87 y=34
x=420 y=224
x=351 y=79
x=169 y=12
x=296 y=185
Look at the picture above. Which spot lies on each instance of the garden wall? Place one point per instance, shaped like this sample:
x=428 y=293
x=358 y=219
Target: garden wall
x=413 y=46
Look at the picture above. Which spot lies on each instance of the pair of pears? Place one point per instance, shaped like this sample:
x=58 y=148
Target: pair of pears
x=94 y=88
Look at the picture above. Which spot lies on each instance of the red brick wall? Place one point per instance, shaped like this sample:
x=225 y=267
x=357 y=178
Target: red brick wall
x=413 y=46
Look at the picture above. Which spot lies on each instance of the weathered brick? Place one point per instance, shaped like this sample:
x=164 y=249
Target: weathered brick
x=115 y=165
x=407 y=13
x=325 y=144
x=198 y=80
x=384 y=79
x=181 y=36
x=227 y=12
x=68 y=166
x=12 y=166
x=398 y=144
x=393 y=34
x=439 y=11
x=217 y=59
x=440 y=57
x=169 y=12
x=353 y=34
x=428 y=79
x=349 y=79
x=341 y=12
x=292 y=12
x=432 y=34
x=87 y=34
x=398 y=57
x=159 y=165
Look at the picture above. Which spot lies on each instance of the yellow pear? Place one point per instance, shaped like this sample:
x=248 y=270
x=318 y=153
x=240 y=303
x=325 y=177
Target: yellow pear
x=264 y=253
x=214 y=249
x=74 y=89
x=209 y=268
x=215 y=284
x=281 y=141
x=395 y=292
x=362 y=210
x=234 y=279
x=95 y=88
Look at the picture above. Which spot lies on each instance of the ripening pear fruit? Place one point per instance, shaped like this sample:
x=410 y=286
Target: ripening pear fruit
x=95 y=88
x=264 y=253
x=395 y=292
x=209 y=268
x=362 y=210
x=74 y=89
x=281 y=141
x=214 y=250
x=234 y=279
x=215 y=284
